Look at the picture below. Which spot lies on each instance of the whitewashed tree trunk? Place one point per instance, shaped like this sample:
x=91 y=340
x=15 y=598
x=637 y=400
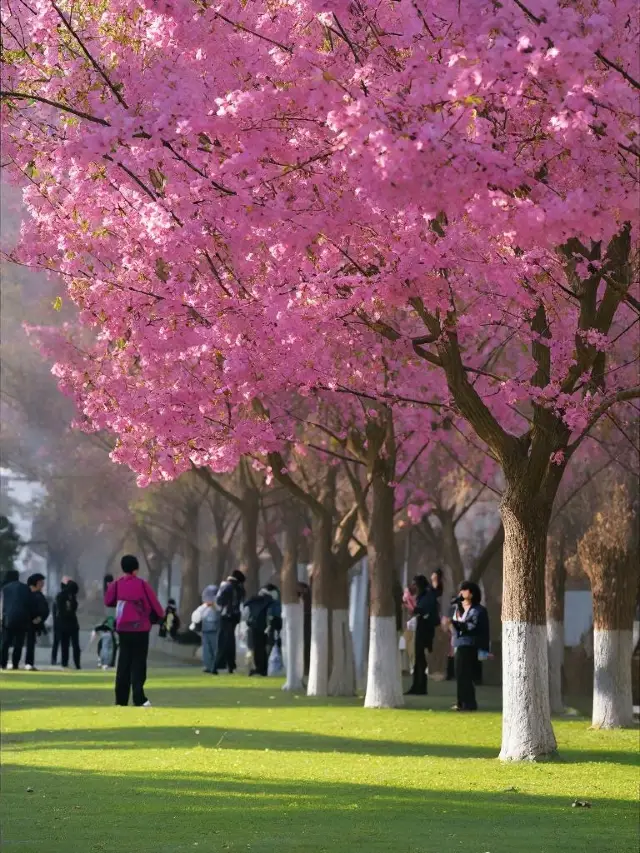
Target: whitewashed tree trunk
x=612 y=696
x=293 y=626
x=526 y=722
x=318 y=684
x=554 y=587
x=555 y=642
x=384 y=683
x=527 y=733
x=342 y=681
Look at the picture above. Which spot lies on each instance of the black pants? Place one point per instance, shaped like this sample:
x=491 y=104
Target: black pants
x=30 y=656
x=466 y=657
x=12 y=638
x=419 y=684
x=227 y=645
x=260 y=653
x=55 y=644
x=131 y=673
x=70 y=637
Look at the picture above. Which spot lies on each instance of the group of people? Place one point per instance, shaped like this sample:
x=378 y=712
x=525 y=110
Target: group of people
x=468 y=623
x=25 y=610
x=220 y=613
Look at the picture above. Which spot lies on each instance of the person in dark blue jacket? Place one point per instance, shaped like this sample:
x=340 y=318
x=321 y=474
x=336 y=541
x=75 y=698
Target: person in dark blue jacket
x=39 y=615
x=16 y=617
x=426 y=615
x=470 y=625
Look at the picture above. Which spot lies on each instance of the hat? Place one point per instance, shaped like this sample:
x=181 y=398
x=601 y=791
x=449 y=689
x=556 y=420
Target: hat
x=209 y=593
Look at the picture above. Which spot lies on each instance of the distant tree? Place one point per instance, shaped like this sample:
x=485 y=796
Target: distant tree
x=9 y=544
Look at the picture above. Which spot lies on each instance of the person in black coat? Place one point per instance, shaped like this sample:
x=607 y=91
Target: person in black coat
x=230 y=599
x=470 y=625
x=426 y=616
x=16 y=613
x=67 y=615
x=39 y=615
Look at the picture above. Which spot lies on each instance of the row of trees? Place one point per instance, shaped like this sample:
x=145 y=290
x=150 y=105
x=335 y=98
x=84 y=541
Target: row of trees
x=395 y=230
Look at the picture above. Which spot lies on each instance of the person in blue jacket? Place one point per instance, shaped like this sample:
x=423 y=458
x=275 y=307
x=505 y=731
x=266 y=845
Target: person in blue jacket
x=470 y=626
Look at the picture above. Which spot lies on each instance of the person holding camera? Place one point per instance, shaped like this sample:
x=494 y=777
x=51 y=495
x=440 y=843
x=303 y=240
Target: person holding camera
x=470 y=627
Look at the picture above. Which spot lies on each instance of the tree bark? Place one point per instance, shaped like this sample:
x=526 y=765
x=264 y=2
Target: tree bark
x=318 y=684
x=613 y=587
x=554 y=591
x=526 y=726
x=293 y=616
x=450 y=547
x=190 y=580
x=250 y=563
x=342 y=680
x=384 y=683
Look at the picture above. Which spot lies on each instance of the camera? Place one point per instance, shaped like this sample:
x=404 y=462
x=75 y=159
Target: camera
x=457 y=600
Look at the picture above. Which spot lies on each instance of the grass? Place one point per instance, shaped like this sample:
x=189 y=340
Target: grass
x=233 y=764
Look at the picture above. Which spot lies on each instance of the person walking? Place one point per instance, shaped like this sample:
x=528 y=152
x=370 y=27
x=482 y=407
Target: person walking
x=68 y=625
x=39 y=615
x=259 y=610
x=426 y=619
x=470 y=625
x=206 y=619
x=137 y=608
x=16 y=617
x=229 y=599
x=55 y=643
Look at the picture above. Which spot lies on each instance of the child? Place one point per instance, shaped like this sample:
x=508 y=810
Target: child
x=206 y=618
x=171 y=622
x=107 y=644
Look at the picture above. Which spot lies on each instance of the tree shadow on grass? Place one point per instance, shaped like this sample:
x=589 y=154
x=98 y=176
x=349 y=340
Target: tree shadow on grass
x=229 y=738
x=86 y=812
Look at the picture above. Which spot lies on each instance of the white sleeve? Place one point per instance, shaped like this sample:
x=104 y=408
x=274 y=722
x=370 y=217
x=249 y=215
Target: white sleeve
x=196 y=616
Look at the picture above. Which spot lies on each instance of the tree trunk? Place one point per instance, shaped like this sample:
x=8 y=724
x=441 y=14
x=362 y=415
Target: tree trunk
x=190 y=580
x=384 y=683
x=342 y=681
x=554 y=591
x=222 y=558
x=292 y=612
x=613 y=587
x=155 y=566
x=250 y=564
x=526 y=719
x=450 y=547
x=189 y=583
x=318 y=684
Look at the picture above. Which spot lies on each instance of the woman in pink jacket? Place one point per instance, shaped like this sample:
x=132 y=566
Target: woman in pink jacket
x=136 y=606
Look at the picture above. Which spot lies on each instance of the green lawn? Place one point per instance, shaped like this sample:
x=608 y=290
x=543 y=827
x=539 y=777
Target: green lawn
x=235 y=764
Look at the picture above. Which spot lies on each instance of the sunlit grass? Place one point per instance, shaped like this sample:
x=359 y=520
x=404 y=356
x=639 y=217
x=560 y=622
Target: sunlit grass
x=236 y=764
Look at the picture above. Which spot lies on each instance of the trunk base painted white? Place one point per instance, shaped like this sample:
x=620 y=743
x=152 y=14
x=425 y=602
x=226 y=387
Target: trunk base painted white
x=527 y=733
x=384 y=683
x=612 y=697
x=318 y=683
x=293 y=629
x=342 y=681
x=555 y=643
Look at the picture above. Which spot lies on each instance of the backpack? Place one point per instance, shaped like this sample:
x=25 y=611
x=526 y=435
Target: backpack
x=230 y=600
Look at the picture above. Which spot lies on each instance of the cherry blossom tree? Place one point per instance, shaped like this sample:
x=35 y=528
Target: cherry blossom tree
x=427 y=205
